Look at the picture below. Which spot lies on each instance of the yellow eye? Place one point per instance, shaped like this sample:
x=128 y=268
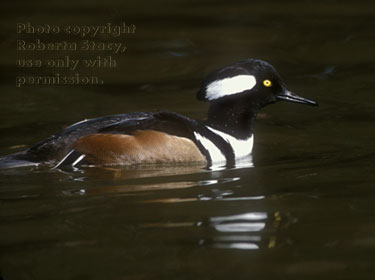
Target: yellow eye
x=267 y=83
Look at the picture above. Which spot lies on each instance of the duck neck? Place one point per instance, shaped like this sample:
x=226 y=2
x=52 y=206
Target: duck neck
x=234 y=118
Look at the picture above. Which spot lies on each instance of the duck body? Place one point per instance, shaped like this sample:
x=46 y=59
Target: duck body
x=235 y=93
x=136 y=138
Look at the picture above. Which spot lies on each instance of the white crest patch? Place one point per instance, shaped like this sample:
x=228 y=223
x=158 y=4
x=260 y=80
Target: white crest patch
x=241 y=148
x=215 y=154
x=229 y=86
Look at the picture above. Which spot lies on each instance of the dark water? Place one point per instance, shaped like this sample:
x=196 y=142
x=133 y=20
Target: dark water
x=304 y=211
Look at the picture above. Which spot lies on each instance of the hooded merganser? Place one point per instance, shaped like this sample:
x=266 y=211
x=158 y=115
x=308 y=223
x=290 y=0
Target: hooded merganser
x=235 y=93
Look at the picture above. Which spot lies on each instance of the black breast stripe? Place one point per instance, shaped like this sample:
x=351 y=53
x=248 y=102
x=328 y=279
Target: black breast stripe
x=224 y=147
x=186 y=127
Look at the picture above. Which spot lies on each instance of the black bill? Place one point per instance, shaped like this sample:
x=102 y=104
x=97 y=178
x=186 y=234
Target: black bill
x=291 y=97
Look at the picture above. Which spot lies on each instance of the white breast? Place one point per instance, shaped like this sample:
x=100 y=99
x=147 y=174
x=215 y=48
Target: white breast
x=241 y=148
x=215 y=153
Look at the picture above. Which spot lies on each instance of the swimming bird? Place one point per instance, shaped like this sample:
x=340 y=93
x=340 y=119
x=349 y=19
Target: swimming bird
x=235 y=94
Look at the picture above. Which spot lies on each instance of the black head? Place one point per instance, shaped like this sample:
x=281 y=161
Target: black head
x=251 y=81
